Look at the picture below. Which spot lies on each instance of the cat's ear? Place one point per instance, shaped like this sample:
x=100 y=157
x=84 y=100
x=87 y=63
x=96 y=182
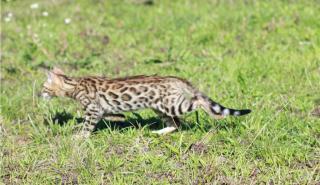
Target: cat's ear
x=58 y=71
x=52 y=77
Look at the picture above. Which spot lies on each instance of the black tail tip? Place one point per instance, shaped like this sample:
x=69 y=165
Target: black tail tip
x=245 y=111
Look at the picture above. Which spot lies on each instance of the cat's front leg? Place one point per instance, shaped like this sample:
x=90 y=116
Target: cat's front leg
x=93 y=114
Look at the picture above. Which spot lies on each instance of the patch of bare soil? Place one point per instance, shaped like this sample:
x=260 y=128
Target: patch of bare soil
x=199 y=147
x=160 y=176
x=316 y=112
x=68 y=178
x=8 y=177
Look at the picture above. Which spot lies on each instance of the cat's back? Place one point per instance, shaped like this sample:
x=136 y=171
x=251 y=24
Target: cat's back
x=136 y=84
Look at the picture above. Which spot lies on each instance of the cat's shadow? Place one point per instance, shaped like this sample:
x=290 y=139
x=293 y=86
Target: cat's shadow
x=135 y=121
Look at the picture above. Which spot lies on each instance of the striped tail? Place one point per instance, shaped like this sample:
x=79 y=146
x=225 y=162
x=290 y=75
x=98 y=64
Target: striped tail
x=217 y=110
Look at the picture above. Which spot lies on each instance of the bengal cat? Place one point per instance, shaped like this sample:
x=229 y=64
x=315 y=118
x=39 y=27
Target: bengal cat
x=170 y=97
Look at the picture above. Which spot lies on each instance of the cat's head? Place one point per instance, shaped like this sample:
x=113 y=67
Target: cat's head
x=55 y=84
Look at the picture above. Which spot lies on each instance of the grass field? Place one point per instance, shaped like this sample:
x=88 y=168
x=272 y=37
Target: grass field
x=262 y=55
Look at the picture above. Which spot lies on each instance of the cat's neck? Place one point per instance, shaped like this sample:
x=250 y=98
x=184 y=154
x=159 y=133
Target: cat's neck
x=69 y=86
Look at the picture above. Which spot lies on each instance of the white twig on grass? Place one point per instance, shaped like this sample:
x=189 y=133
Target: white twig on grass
x=34 y=6
x=45 y=14
x=67 y=20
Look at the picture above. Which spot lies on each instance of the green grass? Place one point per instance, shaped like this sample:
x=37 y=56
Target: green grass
x=262 y=55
